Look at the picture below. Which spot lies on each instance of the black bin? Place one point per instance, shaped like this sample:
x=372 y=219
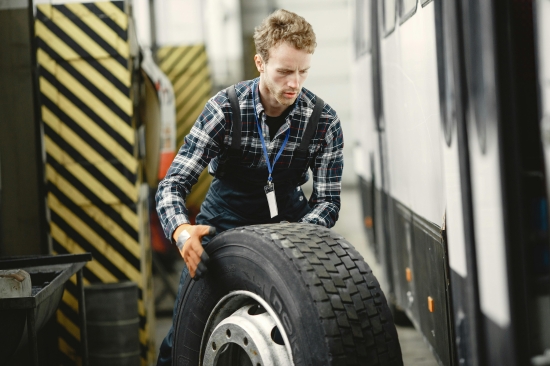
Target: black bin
x=113 y=324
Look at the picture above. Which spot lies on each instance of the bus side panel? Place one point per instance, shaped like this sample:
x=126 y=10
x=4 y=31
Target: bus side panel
x=404 y=272
x=420 y=277
x=431 y=281
x=415 y=179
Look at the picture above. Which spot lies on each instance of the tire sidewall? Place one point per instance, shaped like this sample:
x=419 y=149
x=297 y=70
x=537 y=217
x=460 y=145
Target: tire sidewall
x=240 y=260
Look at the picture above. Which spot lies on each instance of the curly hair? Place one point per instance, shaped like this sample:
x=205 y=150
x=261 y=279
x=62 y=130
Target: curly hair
x=284 y=26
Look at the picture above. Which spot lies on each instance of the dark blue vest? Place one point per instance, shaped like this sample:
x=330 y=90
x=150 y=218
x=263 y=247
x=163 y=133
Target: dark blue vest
x=236 y=196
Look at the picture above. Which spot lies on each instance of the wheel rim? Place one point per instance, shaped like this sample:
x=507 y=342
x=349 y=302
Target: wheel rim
x=243 y=329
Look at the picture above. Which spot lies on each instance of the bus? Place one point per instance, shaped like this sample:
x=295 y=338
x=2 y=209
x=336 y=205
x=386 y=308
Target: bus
x=451 y=148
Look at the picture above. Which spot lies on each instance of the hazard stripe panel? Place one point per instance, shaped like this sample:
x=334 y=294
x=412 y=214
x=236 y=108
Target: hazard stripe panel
x=187 y=69
x=92 y=172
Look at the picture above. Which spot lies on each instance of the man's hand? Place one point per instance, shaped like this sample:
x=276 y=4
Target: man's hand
x=192 y=251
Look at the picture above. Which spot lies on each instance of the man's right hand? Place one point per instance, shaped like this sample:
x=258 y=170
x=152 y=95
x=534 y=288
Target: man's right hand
x=192 y=249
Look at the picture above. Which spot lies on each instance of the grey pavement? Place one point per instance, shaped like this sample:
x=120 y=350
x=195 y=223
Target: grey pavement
x=415 y=350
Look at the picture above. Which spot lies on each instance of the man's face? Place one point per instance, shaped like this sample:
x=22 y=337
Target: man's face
x=284 y=74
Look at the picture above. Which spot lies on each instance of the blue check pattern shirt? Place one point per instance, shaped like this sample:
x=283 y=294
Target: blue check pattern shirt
x=210 y=136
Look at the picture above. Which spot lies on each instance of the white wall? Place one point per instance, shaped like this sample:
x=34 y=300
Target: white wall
x=142 y=22
x=223 y=41
x=179 y=22
x=330 y=75
x=216 y=23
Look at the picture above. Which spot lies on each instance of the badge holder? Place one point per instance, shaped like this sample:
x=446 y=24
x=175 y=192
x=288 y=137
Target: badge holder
x=271 y=200
x=270 y=187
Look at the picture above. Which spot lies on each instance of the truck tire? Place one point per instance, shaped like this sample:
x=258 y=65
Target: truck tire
x=320 y=303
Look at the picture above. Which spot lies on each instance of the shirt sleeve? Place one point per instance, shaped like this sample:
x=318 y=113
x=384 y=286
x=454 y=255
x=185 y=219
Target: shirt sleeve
x=327 y=179
x=201 y=145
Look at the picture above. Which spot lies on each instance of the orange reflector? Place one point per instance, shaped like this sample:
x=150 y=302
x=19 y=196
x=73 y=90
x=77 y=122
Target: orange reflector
x=431 y=304
x=368 y=222
x=408 y=274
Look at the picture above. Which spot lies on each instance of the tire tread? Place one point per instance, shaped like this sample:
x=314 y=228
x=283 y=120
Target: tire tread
x=354 y=313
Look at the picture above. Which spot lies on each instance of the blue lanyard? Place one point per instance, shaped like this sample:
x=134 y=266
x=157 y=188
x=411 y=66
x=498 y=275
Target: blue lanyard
x=269 y=165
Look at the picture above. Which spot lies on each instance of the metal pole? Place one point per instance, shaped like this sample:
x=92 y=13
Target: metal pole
x=153 y=28
x=45 y=243
x=82 y=317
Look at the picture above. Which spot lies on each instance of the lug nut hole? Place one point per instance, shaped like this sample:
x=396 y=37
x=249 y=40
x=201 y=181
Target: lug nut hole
x=214 y=346
x=256 y=310
x=228 y=333
x=245 y=341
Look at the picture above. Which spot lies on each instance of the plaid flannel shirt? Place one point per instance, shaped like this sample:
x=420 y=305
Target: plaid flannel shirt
x=211 y=136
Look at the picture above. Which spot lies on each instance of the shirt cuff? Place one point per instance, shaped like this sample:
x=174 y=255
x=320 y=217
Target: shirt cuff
x=312 y=219
x=172 y=225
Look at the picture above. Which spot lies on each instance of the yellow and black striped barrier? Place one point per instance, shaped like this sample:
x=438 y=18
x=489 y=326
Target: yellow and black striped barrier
x=94 y=192
x=187 y=69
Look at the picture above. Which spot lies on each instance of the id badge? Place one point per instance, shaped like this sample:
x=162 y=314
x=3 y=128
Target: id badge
x=271 y=200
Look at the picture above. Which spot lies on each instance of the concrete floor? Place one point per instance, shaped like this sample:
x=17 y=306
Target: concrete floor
x=415 y=351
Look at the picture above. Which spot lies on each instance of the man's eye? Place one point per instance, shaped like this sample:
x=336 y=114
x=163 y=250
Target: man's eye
x=303 y=71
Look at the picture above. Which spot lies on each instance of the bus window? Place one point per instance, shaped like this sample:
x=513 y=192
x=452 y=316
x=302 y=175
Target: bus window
x=407 y=10
x=362 y=27
x=389 y=16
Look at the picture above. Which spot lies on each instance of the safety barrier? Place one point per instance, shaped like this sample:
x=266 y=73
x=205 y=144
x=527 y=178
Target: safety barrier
x=187 y=69
x=94 y=185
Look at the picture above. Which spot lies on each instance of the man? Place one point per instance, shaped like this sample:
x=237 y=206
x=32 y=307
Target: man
x=258 y=138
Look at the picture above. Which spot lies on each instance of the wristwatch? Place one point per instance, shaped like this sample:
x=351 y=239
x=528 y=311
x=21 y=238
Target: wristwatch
x=182 y=238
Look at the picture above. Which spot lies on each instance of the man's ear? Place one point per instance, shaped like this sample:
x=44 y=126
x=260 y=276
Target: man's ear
x=259 y=63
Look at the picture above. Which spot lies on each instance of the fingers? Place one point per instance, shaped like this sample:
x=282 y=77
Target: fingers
x=202 y=266
x=192 y=260
x=196 y=259
x=201 y=271
x=204 y=257
x=196 y=246
x=203 y=230
x=193 y=253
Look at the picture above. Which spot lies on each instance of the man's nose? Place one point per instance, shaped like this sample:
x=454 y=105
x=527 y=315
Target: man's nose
x=294 y=81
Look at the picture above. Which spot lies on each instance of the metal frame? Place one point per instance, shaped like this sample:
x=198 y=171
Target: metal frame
x=69 y=265
x=45 y=245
